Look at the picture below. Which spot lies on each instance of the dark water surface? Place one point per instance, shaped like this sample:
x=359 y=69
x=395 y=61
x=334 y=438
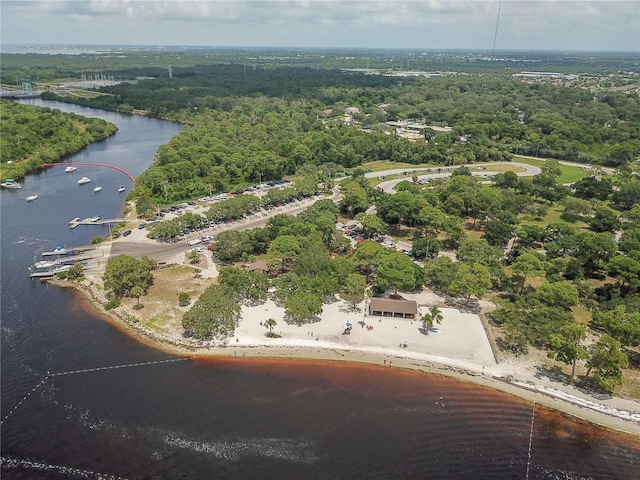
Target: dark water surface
x=159 y=416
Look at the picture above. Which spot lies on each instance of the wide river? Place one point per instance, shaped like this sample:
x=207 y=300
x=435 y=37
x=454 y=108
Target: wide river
x=82 y=400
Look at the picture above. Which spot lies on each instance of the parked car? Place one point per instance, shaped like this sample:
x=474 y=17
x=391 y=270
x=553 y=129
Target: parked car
x=126 y=233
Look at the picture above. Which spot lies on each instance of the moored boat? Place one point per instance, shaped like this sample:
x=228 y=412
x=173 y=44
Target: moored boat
x=10 y=183
x=70 y=169
x=121 y=189
x=84 y=180
x=31 y=198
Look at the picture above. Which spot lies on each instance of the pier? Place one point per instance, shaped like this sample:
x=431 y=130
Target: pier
x=73 y=223
x=66 y=251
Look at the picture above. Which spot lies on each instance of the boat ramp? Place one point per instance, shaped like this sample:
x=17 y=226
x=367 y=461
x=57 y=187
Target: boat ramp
x=88 y=256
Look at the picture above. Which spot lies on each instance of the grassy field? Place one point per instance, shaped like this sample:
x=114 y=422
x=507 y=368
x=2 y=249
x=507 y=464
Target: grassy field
x=568 y=174
x=161 y=312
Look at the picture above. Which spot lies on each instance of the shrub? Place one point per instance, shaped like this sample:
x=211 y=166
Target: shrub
x=111 y=304
x=184 y=299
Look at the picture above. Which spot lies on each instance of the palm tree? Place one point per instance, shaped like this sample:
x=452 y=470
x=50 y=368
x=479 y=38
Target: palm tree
x=436 y=315
x=433 y=315
x=270 y=323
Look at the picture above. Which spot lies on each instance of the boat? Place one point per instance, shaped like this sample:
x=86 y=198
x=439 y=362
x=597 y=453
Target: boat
x=10 y=183
x=70 y=169
x=31 y=198
x=121 y=189
x=97 y=188
x=84 y=180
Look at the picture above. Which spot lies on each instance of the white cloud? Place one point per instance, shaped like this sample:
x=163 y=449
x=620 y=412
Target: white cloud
x=557 y=24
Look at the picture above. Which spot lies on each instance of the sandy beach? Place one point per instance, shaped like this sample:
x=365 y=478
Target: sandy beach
x=461 y=350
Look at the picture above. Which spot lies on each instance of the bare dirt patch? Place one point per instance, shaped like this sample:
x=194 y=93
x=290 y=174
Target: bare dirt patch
x=161 y=312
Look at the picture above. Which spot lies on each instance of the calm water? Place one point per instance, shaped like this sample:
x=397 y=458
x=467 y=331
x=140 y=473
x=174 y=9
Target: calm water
x=166 y=417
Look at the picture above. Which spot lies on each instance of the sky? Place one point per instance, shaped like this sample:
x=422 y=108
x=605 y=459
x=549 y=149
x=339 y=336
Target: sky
x=605 y=25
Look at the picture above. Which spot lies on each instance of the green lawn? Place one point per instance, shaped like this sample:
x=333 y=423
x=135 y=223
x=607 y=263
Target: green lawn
x=568 y=174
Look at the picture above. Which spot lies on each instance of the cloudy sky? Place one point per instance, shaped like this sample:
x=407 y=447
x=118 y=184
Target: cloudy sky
x=605 y=25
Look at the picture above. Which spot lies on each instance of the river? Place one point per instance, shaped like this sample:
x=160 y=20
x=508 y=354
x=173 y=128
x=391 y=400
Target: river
x=80 y=399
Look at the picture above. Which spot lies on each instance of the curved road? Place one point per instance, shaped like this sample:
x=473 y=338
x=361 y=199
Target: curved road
x=137 y=245
x=388 y=186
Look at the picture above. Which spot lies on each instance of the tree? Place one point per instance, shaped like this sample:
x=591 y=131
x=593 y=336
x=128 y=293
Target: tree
x=396 y=271
x=565 y=346
x=372 y=225
x=270 y=323
x=497 y=233
x=441 y=272
x=137 y=292
x=528 y=264
x=474 y=279
x=216 y=312
x=604 y=220
x=431 y=316
x=284 y=247
x=123 y=272
x=184 y=299
x=354 y=289
x=622 y=325
x=301 y=306
x=607 y=361
x=425 y=247
x=558 y=294
x=625 y=270
x=231 y=245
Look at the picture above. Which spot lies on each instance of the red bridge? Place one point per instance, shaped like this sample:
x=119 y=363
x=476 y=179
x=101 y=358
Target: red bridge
x=92 y=165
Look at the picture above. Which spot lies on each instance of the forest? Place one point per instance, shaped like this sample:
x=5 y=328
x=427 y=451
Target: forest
x=32 y=136
x=270 y=121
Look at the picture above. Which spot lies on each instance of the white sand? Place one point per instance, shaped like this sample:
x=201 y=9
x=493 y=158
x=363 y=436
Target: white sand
x=462 y=339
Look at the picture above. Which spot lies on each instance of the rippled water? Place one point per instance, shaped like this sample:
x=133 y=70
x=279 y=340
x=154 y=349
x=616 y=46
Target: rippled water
x=158 y=416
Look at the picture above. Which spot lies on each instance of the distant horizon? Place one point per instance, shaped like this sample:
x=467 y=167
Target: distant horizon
x=424 y=51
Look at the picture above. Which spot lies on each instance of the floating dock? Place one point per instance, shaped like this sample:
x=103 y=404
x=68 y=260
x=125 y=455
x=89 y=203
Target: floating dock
x=73 y=223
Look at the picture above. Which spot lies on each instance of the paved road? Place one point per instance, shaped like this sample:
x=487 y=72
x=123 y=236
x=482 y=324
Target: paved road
x=137 y=245
x=389 y=185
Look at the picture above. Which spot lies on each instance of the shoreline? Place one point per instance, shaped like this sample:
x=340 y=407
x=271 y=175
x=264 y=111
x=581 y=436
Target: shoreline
x=495 y=377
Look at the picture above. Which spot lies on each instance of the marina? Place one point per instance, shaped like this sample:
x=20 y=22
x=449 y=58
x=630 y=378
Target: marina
x=50 y=268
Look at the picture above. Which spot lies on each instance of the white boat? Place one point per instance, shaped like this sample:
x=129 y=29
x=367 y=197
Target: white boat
x=84 y=180
x=121 y=189
x=70 y=169
x=97 y=189
x=10 y=183
x=31 y=198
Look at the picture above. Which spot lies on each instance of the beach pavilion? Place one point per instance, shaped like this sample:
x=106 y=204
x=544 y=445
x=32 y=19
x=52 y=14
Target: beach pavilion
x=392 y=307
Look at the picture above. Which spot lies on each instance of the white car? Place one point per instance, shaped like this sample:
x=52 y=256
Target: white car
x=193 y=242
x=197 y=249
